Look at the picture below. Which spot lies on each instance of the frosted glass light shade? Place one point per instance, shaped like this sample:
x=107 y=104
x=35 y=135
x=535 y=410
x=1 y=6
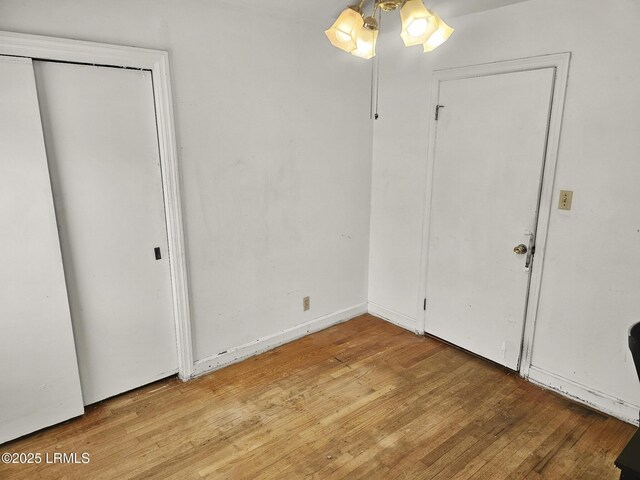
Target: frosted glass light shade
x=344 y=31
x=366 y=44
x=442 y=33
x=418 y=23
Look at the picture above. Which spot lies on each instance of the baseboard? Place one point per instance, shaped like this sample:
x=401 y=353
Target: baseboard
x=399 y=319
x=237 y=354
x=592 y=398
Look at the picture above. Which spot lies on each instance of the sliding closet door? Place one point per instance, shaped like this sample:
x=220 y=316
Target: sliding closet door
x=100 y=132
x=39 y=384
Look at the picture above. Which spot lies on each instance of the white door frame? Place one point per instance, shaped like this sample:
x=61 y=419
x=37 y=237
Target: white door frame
x=157 y=62
x=561 y=64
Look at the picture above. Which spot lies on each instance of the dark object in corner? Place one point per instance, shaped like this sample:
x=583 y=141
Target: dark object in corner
x=634 y=346
x=629 y=460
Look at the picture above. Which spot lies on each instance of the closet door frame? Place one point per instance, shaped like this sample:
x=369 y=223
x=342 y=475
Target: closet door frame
x=156 y=62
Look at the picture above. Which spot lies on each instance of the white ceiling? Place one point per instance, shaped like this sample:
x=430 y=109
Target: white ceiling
x=457 y=8
x=327 y=10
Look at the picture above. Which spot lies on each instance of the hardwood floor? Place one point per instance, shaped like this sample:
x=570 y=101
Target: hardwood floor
x=364 y=399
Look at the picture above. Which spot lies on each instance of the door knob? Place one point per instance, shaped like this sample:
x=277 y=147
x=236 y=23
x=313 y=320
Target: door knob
x=520 y=249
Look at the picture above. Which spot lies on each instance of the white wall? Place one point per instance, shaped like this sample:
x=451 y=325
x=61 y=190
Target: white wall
x=591 y=279
x=274 y=144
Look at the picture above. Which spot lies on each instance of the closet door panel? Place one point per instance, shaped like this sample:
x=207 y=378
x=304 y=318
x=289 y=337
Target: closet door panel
x=100 y=133
x=39 y=381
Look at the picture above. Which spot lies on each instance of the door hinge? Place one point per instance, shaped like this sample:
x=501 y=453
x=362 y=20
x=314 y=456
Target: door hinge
x=438 y=107
x=424 y=305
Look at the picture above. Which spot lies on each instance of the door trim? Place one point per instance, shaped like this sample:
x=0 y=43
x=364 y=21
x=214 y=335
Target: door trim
x=560 y=62
x=157 y=62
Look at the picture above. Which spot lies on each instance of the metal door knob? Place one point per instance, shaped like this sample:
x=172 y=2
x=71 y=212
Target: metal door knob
x=520 y=249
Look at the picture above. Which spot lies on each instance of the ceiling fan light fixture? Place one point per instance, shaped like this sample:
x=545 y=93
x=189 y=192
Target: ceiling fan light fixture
x=356 y=34
x=418 y=23
x=344 y=32
x=441 y=35
x=366 y=39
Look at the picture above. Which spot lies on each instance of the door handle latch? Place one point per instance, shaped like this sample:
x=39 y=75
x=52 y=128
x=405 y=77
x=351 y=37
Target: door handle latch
x=528 y=250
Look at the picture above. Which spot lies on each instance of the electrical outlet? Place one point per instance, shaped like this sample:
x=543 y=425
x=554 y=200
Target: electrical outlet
x=566 y=196
x=306 y=303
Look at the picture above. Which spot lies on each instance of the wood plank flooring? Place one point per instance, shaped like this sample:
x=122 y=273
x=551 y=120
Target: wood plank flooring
x=363 y=399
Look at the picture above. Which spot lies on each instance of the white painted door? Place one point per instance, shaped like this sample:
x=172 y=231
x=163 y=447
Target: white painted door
x=39 y=384
x=489 y=154
x=100 y=133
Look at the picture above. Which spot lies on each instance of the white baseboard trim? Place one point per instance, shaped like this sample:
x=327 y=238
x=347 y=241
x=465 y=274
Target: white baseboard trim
x=587 y=396
x=237 y=354
x=391 y=316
